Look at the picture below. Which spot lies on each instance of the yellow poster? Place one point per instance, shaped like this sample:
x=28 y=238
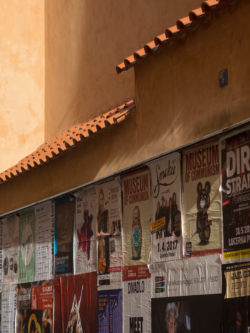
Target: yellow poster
x=237 y=280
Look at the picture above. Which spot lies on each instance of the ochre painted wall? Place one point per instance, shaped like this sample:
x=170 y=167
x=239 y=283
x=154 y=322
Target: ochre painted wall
x=21 y=79
x=85 y=40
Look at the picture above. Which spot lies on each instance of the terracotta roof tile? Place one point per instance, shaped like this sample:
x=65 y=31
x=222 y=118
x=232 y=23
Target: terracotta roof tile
x=69 y=139
x=195 y=18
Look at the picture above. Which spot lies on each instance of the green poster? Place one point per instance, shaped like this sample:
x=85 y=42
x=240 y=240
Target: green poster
x=27 y=246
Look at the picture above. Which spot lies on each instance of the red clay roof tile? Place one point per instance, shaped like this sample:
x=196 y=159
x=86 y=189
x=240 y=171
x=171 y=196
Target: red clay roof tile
x=68 y=140
x=196 y=17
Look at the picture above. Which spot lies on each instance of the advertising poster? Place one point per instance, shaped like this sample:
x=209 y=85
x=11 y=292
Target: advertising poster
x=109 y=310
x=236 y=308
x=76 y=303
x=22 y=307
x=235 y=156
x=136 y=217
x=44 y=240
x=27 y=245
x=136 y=299
x=85 y=231
x=202 y=199
x=10 y=253
x=8 y=308
x=63 y=242
x=109 y=243
x=166 y=227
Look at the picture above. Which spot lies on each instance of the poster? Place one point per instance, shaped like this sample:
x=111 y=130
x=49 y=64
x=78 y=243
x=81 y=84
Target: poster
x=136 y=300
x=27 y=245
x=8 y=308
x=136 y=217
x=44 y=215
x=109 y=242
x=166 y=227
x=10 y=255
x=76 y=303
x=235 y=155
x=22 y=307
x=109 y=309
x=202 y=199
x=236 y=308
x=85 y=231
x=63 y=242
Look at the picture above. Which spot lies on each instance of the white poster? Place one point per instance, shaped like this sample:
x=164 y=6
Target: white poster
x=10 y=243
x=194 y=276
x=85 y=235
x=166 y=227
x=44 y=229
x=8 y=308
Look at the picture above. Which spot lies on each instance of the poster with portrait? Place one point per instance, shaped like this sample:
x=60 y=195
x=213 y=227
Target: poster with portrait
x=27 y=245
x=85 y=231
x=137 y=217
x=136 y=299
x=44 y=230
x=236 y=307
x=10 y=252
x=109 y=311
x=63 y=242
x=75 y=301
x=109 y=242
x=235 y=155
x=166 y=227
x=202 y=199
x=8 y=308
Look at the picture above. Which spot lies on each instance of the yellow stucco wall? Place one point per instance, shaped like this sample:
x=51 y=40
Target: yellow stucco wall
x=85 y=40
x=21 y=79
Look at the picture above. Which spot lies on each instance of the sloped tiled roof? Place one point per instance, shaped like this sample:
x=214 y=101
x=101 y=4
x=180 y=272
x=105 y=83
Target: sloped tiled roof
x=69 y=139
x=185 y=25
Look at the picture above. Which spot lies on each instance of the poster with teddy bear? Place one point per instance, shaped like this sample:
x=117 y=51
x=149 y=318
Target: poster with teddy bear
x=201 y=199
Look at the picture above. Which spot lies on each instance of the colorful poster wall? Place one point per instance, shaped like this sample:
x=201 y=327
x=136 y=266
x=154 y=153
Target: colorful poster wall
x=27 y=246
x=166 y=199
x=85 y=231
x=63 y=242
x=109 y=242
x=136 y=217
x=109 y=310
x=137 y=300
x=235 y=155
x=202 y=199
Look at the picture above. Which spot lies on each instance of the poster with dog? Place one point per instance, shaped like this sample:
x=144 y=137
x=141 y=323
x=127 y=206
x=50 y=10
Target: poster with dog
x=202 y=199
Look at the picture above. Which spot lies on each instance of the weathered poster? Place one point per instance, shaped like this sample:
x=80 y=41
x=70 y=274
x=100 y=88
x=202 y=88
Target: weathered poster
x=8 y=308
x=137 y=299
x=85 y=231
x=44 y=216
x=75 y=300
x=10 y=241
x=109 y=243
x=27 y=245
x=22 y=307
x=63 y=242
x=136 y=217
x=235 y=155
x=109 y=309
x=237 y=280
x=166 y=227
x=202 y=199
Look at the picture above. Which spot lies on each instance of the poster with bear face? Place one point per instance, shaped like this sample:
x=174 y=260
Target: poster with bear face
x=235 y=155
x=85 y=231
x=137 y=213
x=166 y=227
x=202 y=199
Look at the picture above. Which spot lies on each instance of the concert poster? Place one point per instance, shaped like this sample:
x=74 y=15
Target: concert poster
x=202 y=199
x=63 y=241
x=166 y=227
x=235 y=155
x=109 y=310
x=85 y=230
x=10 y=252
x=136 y=299
x=27 y=245
x=137 y=217
x=75 y=300
x=109 y=243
